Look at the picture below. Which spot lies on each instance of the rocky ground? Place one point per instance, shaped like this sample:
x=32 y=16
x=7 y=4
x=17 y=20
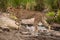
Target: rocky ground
x=24 y=33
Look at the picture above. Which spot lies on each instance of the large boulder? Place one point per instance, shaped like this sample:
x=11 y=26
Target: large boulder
x=6 y=22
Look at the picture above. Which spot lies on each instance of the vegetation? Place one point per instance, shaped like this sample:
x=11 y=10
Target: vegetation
x=52 y=17
x=58 y=17
x=37 y=4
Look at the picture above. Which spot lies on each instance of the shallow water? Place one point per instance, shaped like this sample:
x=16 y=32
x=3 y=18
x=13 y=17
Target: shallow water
x=32 y=28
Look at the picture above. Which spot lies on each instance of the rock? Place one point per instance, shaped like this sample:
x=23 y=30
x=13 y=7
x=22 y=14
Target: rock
x=1 y=31
x=26 y=33
x=6 y=22
x=27 y=21
x=55 y=25
x=55 y=33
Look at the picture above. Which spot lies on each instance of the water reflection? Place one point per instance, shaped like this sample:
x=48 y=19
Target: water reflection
x=40 y=27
